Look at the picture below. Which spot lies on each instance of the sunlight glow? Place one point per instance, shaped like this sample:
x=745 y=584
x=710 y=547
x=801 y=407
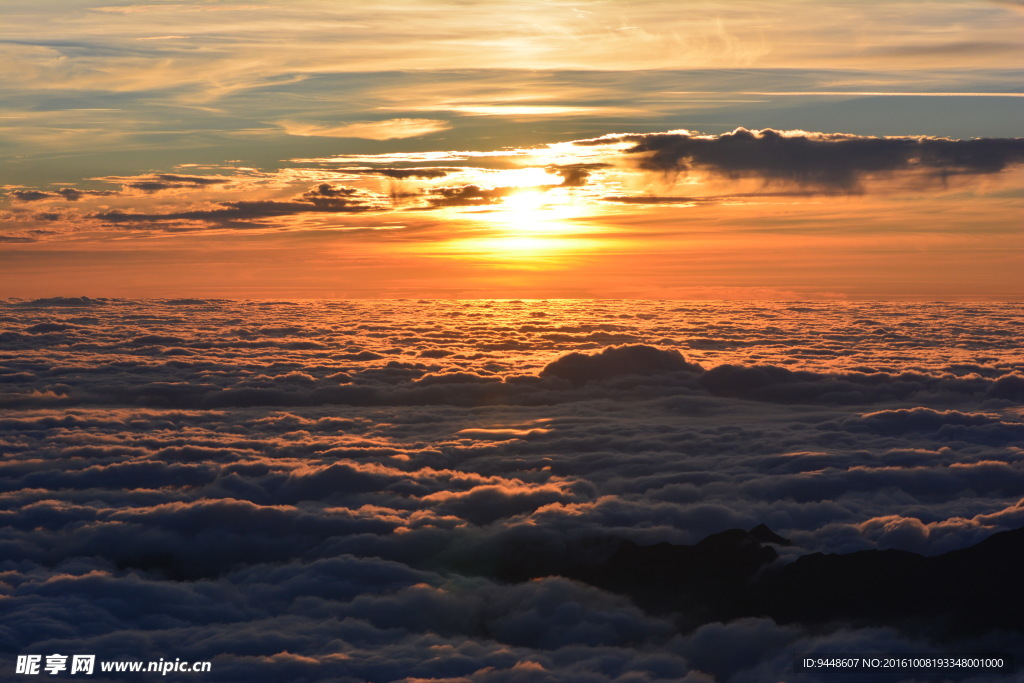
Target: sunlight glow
x=525 y=202
x=517 y=250
x=535 y=211
x=531 y=176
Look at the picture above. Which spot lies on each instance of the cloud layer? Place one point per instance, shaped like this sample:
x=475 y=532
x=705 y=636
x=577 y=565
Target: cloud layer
x=342 y=490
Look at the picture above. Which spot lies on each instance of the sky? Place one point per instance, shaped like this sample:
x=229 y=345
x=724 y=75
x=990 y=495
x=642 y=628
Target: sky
x=701 y=150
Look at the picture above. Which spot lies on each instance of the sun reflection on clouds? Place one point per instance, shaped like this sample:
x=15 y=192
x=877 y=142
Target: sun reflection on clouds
x=529 y=177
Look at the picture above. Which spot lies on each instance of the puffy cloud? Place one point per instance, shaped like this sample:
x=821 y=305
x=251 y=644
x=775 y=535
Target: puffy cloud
x=576 y=175
x=232 y=211
x=30 y=195
x=61 y=302
x=169 y=181
x=469 y=195
x=71 y=194
x=322 y=198
x=624 y=360
x=836 y=162
x=404 y=173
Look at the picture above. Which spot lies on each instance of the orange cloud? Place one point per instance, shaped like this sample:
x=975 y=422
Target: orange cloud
x=389 y=129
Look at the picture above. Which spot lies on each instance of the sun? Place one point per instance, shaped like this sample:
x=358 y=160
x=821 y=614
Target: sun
x=535 y=212
x=525 y=209
x=543 y=224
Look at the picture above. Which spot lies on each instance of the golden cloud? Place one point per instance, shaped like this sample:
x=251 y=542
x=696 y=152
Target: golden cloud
x=389 y=129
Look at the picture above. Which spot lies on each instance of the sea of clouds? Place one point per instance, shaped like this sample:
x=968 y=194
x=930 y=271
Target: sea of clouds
x=328 y=491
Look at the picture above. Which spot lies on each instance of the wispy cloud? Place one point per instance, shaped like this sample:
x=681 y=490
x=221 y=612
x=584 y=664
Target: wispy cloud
x=253 y=45
x=389 y=129
x=852 y=93
x=533 y=110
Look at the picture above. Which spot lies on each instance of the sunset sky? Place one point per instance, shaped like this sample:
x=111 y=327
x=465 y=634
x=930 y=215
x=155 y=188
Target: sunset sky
x=462 y=341
x=650 y=149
